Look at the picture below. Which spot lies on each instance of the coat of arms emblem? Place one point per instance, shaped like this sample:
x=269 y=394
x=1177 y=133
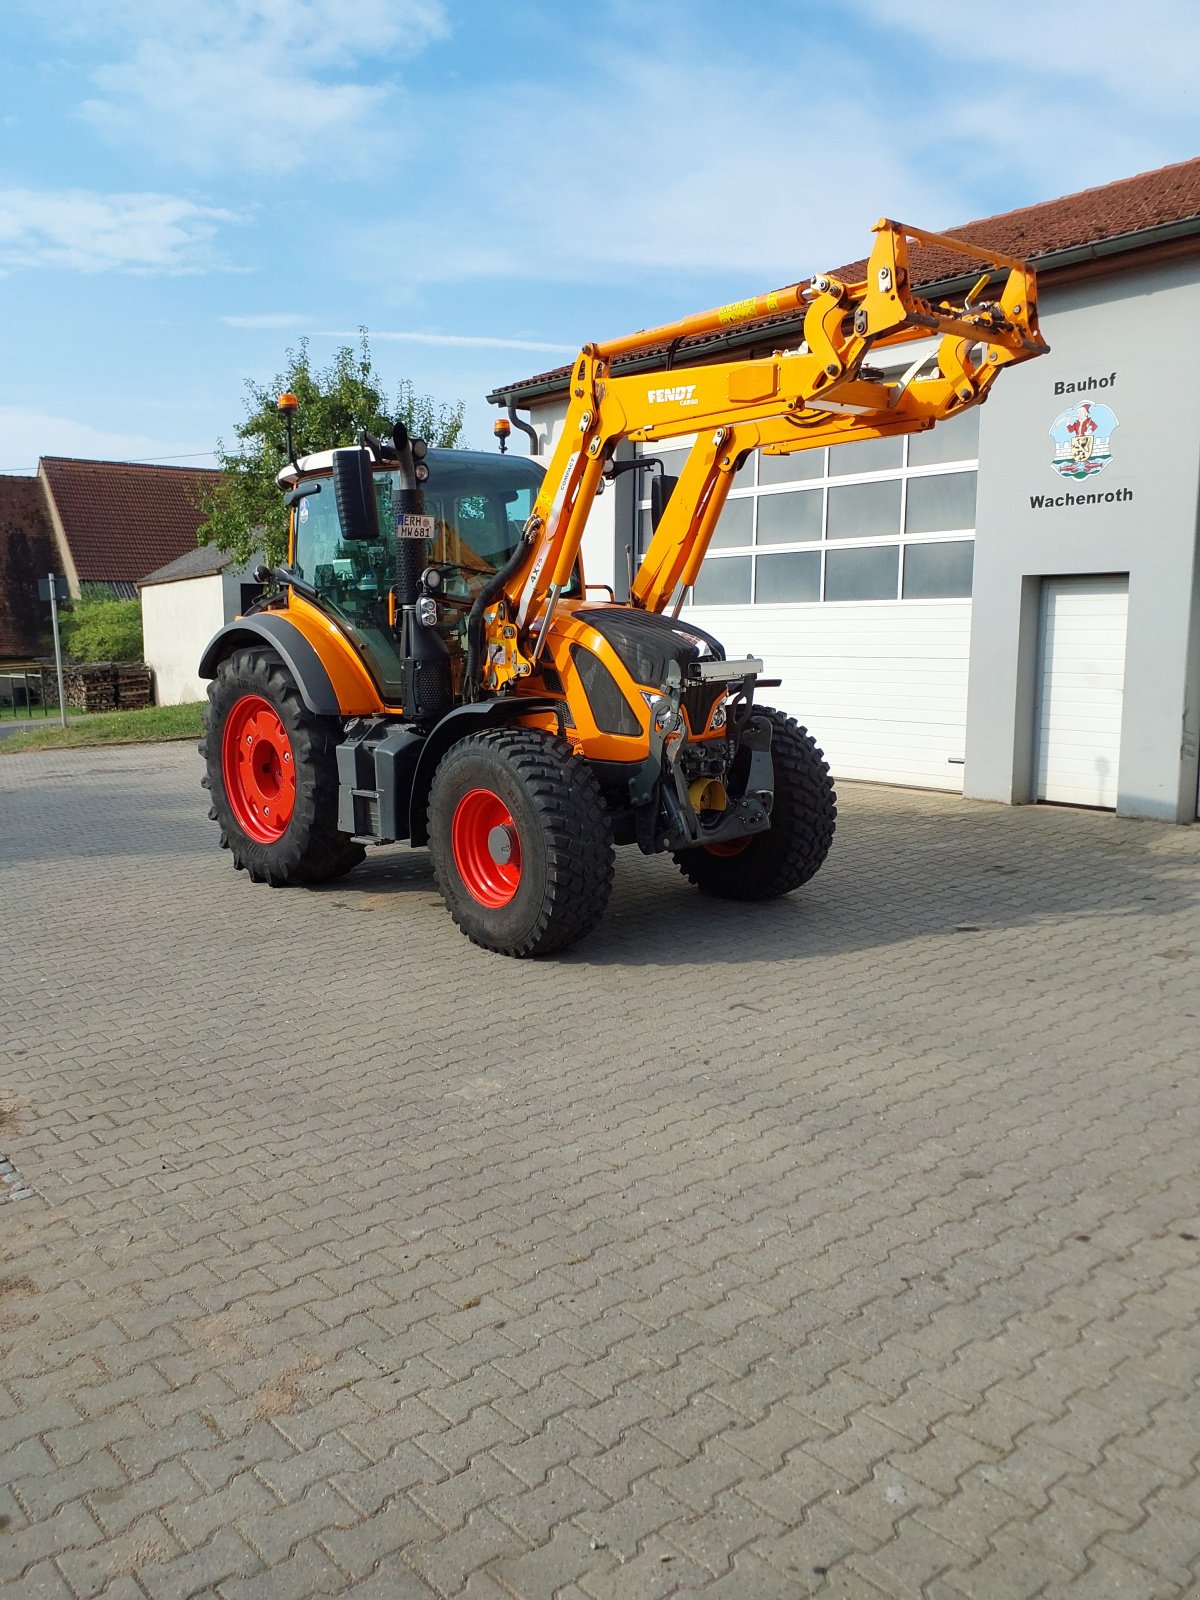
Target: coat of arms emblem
x=1082 y=439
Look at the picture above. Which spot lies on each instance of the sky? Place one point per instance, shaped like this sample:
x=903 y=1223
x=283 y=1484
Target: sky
x=189 y=188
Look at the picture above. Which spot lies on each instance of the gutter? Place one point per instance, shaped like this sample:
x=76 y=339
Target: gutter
x=521 y=394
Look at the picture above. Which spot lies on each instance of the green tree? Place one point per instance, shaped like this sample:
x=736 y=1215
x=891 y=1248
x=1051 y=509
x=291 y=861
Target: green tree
x=245 y=512
x=99 y=629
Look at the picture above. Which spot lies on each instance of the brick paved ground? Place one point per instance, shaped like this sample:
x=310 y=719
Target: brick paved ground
x=845 y=1246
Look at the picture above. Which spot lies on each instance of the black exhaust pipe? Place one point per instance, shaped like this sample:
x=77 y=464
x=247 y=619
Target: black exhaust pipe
x=425 y=659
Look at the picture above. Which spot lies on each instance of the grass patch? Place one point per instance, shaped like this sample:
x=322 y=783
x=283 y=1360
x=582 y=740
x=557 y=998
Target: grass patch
x=148 y=726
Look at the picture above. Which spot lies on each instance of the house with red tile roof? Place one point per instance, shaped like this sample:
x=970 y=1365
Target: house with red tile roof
x=1077 y=235
x=115 y=521
x=978 y=608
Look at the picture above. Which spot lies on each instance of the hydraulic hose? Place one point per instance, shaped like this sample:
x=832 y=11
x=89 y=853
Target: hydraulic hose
x=490 y=591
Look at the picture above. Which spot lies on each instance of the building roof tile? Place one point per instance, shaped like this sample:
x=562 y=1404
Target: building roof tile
x=202 y=561
x=1130 y=206
x=123 y=518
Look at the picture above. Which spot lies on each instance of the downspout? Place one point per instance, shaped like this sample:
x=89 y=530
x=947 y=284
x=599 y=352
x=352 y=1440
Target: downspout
x=525 y=427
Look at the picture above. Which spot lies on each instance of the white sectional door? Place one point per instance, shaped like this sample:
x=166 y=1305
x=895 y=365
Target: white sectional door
x=1081 y=673
x=881 y=686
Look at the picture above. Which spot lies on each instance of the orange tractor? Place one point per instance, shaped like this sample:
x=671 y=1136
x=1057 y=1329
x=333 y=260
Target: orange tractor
x=432 y=665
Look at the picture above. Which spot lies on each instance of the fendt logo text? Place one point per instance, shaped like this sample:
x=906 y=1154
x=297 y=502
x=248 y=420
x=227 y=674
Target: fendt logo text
x=682 y=395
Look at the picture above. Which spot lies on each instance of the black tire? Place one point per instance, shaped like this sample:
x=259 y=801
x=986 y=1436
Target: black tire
x=803 y=819
x=310 y=849
x=563 y=840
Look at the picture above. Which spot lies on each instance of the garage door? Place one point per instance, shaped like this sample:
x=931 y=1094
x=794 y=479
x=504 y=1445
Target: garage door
x=1081 y=673
x=882 y=685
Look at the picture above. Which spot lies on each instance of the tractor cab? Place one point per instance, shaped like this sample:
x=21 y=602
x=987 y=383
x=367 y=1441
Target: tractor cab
x=476 y=506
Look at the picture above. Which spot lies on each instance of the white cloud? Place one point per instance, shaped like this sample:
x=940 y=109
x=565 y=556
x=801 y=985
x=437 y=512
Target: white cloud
x=268 y=319
x=687 y=158
x=26 y=434
x=88 y=232
x=1143 y=58
x=462 y=341
x=712 y=166
x=263 y=85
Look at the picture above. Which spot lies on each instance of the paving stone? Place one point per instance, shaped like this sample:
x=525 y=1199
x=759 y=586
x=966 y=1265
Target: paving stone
x=658 y=1569
x=70 y=1529
x=857 y=1266
x=359 y=1549
x=139 y=1546
x=225 y=1556
x=307 y=1571
x=567 y=1556
x=274 y=1532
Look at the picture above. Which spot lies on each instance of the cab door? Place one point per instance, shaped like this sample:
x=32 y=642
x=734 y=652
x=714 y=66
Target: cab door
x=353 y=578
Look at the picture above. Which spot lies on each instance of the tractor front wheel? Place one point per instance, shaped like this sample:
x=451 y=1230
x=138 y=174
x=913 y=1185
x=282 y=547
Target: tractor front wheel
x=271 y=769
x=521 y=841
x=803 y=817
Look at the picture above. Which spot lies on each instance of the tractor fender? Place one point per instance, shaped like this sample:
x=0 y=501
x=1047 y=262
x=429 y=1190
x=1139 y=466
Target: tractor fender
x=455 y=725
x=301 y=660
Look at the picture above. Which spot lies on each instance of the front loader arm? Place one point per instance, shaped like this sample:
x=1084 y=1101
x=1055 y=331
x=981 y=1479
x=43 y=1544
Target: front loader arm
x=862 y=410
x=800 y=399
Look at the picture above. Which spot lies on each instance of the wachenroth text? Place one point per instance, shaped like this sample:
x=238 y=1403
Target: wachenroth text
x=1037 y=501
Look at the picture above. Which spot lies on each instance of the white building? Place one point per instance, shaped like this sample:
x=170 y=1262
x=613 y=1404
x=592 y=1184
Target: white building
x=950 y=610
x=183 y=605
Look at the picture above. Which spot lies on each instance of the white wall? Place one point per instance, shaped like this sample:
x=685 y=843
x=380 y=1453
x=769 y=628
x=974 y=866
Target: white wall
x=178 y=620
x=1142 y=522
x=881 y=684
x=598 y=551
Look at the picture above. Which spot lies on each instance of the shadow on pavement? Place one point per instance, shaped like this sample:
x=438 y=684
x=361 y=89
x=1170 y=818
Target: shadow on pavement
x=955 y=870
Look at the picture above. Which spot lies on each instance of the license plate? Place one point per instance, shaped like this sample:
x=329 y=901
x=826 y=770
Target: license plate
x=411 y=526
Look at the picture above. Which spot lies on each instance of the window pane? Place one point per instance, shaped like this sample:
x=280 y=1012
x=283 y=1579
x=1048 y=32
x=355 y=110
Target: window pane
x=790 y=469
x=861 y=510
x=868 y=455
x=645 y=533
x=789 y=518
x=734 y=524
x=723 y=583
x=869 y=574
x=788 y=577
x=673 y=463
x=956 y=439
x=937 y=571
x=942 y=504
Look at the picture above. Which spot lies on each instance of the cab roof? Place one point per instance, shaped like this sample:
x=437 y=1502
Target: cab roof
x=321 y=461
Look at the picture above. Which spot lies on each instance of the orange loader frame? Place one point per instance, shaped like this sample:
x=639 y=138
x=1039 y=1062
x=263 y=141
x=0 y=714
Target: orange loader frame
x=540 y=728
x=822 y=393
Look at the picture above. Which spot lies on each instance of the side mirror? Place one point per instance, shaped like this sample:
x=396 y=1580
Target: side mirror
x=354 y=491
x=662 y=486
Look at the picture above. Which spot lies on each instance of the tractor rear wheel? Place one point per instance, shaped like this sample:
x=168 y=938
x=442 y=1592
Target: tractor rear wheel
x=803 y=817
x=521 y=841
x=272 y=773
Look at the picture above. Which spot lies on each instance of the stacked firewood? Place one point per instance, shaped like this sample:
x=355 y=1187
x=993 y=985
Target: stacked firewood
x=134 y=685
x=91 y=687
x=98 y=685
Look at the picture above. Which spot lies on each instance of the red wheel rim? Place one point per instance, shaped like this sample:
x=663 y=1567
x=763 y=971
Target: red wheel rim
x=728 y=847
x=259 y=770
x=487 y=848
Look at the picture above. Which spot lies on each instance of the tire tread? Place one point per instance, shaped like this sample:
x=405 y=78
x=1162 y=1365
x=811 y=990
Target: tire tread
x=312 y=850
x=576 y=828
x=803 y=822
